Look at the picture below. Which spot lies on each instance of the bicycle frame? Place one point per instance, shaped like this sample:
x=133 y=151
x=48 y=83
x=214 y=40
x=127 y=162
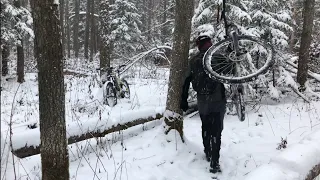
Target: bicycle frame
x=236 y=89
x=112 y=76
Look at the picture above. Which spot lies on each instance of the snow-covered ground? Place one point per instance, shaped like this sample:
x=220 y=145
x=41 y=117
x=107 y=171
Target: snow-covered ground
x=249 y=148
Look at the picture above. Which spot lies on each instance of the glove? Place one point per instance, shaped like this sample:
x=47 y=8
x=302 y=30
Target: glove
x=184 y=105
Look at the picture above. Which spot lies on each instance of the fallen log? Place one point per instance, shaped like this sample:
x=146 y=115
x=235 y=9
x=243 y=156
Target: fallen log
x=311 y=74
x=74 y=73
x=30 y=150
x=313 y=173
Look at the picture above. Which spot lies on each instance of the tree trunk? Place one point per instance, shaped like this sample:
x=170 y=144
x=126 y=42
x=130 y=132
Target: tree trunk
x=20 y=51
x=92 y=34
x=308 y=15
x=105 y=44
x=164 y=19
x=0 y=64
x=76 y=28
x=294 y=31
x=96 y=32
x=61 y=5
x=5 y=59
x=54 y=152
x=143 y=17
x=28 y=49
x=68 y=28
x=20 y=62
x=150 y=19
x=86 y=39
x=24 y=3
x=179 y=63
x=97 y=39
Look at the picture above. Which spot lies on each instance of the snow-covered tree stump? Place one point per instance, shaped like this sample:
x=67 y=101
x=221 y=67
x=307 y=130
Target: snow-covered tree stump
x=173 y=121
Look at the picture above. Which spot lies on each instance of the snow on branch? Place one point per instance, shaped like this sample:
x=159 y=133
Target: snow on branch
x=139 y=56
x=269 y=20
x=56 y=2
x=240 y=14
x=170 y=115
x=82 y=13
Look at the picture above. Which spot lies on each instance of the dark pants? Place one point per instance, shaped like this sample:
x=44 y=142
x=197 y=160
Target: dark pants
x=212 y=126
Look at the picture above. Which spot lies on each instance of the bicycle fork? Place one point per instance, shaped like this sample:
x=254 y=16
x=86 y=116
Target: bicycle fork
x=238 y=89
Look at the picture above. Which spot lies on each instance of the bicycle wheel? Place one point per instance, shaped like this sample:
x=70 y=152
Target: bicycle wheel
x=255 y=58
x=110 y=95
x=125 y=90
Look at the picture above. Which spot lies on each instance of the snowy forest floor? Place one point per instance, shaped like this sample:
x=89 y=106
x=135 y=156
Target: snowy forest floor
x=145 y=153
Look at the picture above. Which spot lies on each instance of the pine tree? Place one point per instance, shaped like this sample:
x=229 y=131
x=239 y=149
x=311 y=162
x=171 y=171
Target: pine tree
x=166 y=20
x=204 y=18
x=20 y=49
x=16 y=22
x=104 y=32
x=207 y=18
x=76 y=20
x=271 y=21
x=125 y=27
x=157 y=21
x=87 y=27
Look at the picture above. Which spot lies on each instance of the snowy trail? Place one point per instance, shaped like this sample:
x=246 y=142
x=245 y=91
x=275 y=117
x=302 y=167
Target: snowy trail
x=244 y=148
x=149 y=155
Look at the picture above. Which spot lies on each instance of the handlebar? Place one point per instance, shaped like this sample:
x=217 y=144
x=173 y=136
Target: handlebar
x=110 y=68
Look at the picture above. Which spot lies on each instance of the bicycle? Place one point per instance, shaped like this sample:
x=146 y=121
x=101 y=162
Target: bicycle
x=114 y=87
x=244 y=59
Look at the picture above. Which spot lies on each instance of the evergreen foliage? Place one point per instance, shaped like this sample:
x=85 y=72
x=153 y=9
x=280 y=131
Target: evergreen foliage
x=16 y=23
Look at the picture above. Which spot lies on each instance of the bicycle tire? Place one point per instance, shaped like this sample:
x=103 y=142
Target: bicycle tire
x=207 y=60
x=111 y=95
x=127 y=91
x=240 y=108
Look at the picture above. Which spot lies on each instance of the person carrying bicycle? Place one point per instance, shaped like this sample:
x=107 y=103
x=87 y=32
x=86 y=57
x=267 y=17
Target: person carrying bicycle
x=211 y=101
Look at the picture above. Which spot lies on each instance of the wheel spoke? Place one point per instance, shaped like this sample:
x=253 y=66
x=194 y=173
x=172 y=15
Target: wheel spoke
x=231 y=70
x=224 y=67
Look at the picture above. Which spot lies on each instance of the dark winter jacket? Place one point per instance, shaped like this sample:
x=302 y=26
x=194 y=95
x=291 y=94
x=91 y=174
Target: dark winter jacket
x=210 y=93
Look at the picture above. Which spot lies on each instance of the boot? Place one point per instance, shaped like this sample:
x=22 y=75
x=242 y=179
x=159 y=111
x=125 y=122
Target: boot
x=215 y=167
